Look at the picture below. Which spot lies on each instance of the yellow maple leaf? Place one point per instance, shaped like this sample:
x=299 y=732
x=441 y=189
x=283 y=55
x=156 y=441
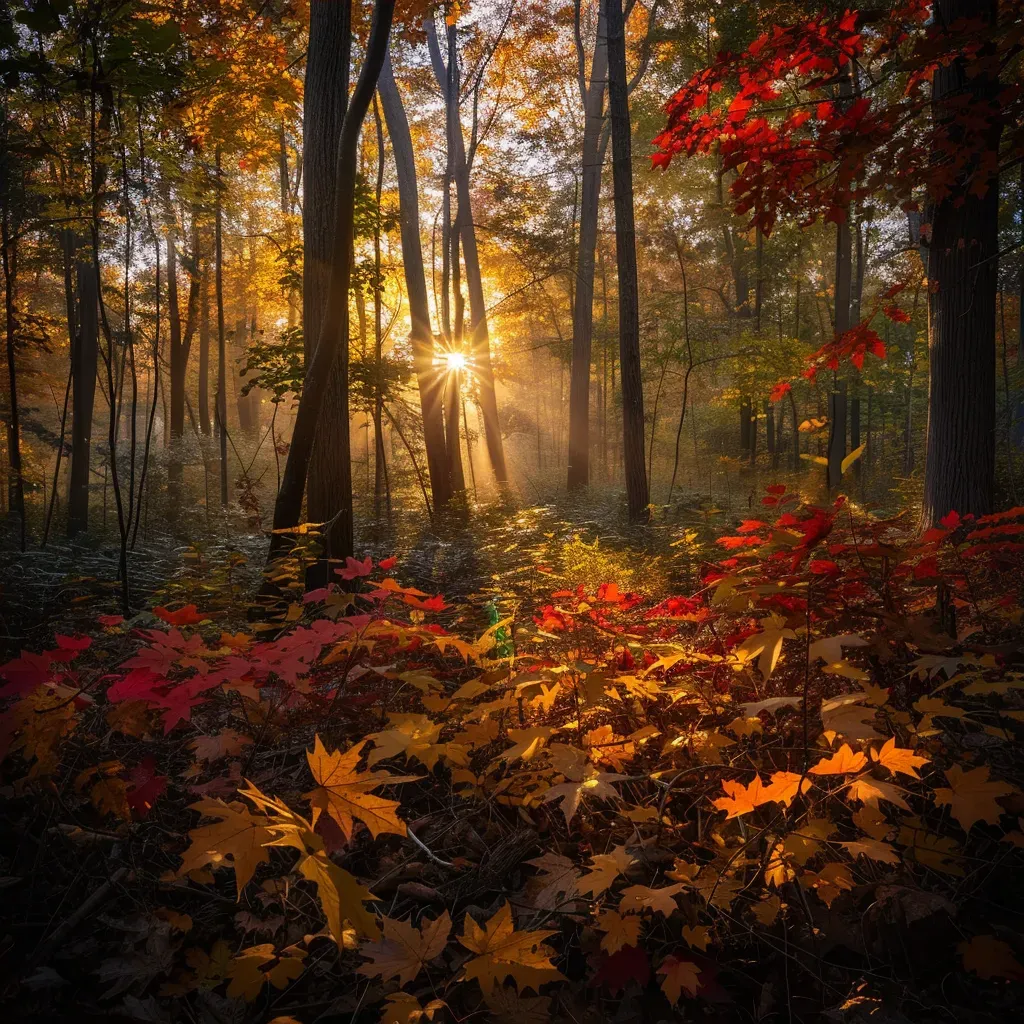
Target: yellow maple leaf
x=638 y=898
x=248 y=974
x=843 y=762
x=767 y=644
x=900 y=759
x=972 y=796
x=619 y=931
x=344 y=791
x=404 y=950
x=237 y=834
x=989 y=957
x=742 y=799
x=697 y=937
x=870 y=791
x=502 y=952
x=678 y=975
x=604 y=869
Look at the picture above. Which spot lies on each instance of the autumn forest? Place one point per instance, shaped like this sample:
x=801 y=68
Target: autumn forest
x=512 y=510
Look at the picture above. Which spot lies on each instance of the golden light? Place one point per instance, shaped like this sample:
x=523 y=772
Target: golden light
x=455 y=360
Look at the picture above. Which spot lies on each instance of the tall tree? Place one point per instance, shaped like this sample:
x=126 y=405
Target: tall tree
x=480 y=350
x=84 y=360
x=963 y=266
x=637 y=495
x=328 y=62
x=333 y=340
x=594 y=142
x=429 y=380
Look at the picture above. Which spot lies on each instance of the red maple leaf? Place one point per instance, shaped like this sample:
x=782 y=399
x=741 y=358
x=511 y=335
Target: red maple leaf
x=146 y=787
x=187 y=616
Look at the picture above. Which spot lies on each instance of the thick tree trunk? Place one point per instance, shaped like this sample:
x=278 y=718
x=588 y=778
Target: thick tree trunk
x=83 y=371
x=637 y=494
x=16 y=479
x=326 y=98
x=583 y=299
x=480 y=350
x=960 y=461
x=333 y=341
x=429 y=379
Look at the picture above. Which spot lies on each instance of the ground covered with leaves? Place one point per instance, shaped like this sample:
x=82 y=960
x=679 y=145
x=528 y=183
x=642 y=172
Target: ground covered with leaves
x=790 y=793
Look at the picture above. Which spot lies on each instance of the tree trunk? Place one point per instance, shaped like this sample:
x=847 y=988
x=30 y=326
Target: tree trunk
x=204 y=353
x=177 y=360
x=637 y=494
x=15 y=480
x=960 y=461
x=83 y=370
x=326 y=100
x=583 y=304
x=222 y=369
x=480 y=351
x=429 y=380
x=333 y=341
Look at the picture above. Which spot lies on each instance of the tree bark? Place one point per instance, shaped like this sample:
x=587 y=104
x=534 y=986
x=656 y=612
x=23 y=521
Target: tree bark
x=960 y=459
x=328 y=64
x=83 y=369
x=637 y=494
x=480 y=349
x=16 y=479
x=428 y=378
x=222 y=370
x=333 y=341
x=583 y=299
x=204 y=353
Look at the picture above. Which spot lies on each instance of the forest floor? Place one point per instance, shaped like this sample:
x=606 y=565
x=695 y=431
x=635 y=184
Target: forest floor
x=757 y=763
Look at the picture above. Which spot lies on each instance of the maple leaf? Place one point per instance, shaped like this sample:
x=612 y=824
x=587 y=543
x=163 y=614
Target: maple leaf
x=873 y=849
x=843 y=762
x=344 y=791
x=508 y=1006
x=147 y=787
x=404 y=950
x=226 y=743
x=830 y=648
x=187 y=616
x=870 y=791
x=604 y=869
x=972 y=797
x=619 y=931
x=525 y=744
x=677 y=976
x=742 y=799
x=638 y=898
x=628 y=965
x=402 y=1008
x=588 y=780
x=767 y=644
x=558 y=877
x=502 y=952
x=989 y=957
x=237 y=834
x=354 y=568
x=783 y=788
x=248 y=976
x=109 y=796
x=900 y=759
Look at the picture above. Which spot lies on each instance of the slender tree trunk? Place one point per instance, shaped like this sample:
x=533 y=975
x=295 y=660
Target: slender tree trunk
x=637 y=494
x=222 y=369
x=326 y=99
x=428 y=378
x=204 y=353
x=177 y=360
x=583 y=304
x=960 y=460
x=83 y=368
x=480 y=350
x=333 y=341
x=380 y=465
